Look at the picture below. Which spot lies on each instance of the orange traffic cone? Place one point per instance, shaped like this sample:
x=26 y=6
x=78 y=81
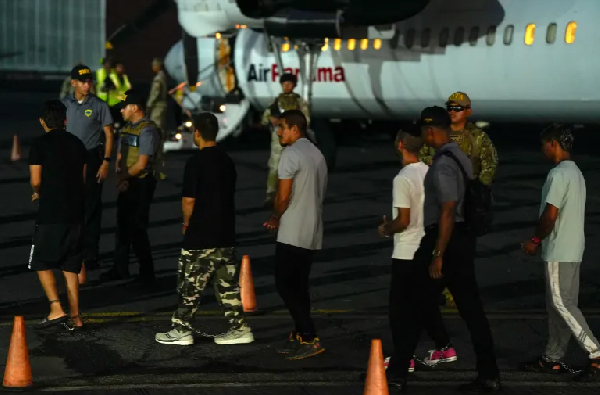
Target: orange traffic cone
x=15 y=153
x=81 y=275
x=247 y=286
x=375 y=382
x=18 y=369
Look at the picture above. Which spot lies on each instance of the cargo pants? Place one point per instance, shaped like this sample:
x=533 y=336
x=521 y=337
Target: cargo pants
x=195 y=270
x=273 y=163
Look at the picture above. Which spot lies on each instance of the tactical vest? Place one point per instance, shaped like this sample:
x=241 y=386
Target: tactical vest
x=130 y=145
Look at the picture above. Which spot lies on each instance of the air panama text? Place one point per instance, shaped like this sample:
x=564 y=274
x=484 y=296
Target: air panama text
x=261 y=73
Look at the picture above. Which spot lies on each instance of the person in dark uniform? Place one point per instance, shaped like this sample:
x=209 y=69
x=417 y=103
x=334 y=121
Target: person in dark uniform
x=136 y=181
x=57 y=165
x=88 y=117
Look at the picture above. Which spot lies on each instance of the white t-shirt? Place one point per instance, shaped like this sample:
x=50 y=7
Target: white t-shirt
x=408 y=192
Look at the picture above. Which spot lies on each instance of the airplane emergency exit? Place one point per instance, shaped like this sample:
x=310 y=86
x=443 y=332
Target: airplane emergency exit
x=526 y=61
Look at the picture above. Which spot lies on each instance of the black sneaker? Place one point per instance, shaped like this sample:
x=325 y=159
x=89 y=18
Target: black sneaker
x=306 y=349
x=540 y=365
x=290 y=345
x=591 y=373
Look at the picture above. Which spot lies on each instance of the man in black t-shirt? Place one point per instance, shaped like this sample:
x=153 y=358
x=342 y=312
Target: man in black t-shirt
x=208 y=202
x=57 y=165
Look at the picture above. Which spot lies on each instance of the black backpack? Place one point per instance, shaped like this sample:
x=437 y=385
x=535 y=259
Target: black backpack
x=477 y=204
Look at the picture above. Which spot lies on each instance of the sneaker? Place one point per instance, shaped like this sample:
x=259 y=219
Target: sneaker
x=591 y=373
x=306 y=349
x=175 y=336
x=290 y=344
x=411 y=369
x=541 y=365
x=447 y=354
x=241 y=335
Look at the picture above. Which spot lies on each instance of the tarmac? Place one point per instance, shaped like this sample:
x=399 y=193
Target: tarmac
x=349 y=282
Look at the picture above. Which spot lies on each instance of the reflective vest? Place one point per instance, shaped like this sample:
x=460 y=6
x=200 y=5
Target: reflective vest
x=130 y=144
x=122 y=87
x=100 y=77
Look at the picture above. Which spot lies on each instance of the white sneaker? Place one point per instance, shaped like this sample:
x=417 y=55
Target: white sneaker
x=174 y=336
x=236 y=336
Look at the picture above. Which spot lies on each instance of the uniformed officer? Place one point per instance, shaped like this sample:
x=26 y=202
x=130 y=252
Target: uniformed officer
x=89 y=118
x=287 y=100
x=136 y=182
x=67 y=89
x=156 y=107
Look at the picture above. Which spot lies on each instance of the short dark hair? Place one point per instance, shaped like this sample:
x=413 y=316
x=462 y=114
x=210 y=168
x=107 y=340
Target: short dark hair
x=295 y=118
x=560 y=133
x=54 y=114
x=207 y=125
x=411 y=139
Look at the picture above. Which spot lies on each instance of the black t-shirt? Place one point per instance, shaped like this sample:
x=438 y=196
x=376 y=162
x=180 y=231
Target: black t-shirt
x=210 y=178
x=62 y=156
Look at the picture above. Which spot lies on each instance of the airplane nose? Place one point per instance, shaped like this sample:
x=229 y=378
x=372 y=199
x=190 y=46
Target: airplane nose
x=174 y=62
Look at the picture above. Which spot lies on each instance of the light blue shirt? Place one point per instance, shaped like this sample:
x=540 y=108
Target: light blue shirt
x=565 y=189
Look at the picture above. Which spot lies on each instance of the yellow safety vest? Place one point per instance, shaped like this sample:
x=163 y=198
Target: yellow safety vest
x=114 y=93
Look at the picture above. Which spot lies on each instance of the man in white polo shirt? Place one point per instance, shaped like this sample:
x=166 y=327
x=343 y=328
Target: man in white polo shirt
x=297 y=214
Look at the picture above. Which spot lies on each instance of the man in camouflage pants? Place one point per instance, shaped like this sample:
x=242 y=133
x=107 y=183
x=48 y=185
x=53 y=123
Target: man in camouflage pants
x=208 y=205
x=287 y=100
x=479 y=148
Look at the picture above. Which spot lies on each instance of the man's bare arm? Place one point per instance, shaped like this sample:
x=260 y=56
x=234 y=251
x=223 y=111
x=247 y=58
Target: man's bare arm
x=187 y=206
x=35 y=177
x=446 y=226
x=400 y=223
x=108 y=133
x=139 y=165
x=282 y=199
x=546 y=222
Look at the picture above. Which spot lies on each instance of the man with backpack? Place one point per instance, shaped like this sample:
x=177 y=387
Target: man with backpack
x=453 y=213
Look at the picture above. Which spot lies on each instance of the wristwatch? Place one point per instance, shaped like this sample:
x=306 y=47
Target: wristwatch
x=436 y=253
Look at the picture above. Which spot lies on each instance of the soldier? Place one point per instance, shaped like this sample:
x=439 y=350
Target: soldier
x=136 y=184
x=287 y=100
x=157 y=109
x=208 y=204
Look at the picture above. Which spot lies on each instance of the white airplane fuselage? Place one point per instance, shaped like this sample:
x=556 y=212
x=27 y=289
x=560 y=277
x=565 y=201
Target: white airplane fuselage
x=507 y=79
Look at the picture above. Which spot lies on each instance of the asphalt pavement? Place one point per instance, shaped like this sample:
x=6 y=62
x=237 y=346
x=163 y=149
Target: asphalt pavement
x=349 y=282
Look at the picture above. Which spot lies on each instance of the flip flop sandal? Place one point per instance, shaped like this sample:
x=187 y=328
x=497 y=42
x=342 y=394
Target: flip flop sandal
x=46 y=323
x=72 y=327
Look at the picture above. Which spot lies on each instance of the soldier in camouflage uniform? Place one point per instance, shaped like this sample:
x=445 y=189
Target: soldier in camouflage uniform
x=157 y=110
x=287 y=100
x=208 y=205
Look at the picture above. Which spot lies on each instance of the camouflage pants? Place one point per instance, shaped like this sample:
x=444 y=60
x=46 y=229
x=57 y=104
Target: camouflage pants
x=273 y=162
x=195 y=270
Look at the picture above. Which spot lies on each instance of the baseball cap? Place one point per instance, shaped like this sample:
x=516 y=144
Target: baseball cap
x=133 y=97
x=434 y=116
x=82 y=73
x=460 y=98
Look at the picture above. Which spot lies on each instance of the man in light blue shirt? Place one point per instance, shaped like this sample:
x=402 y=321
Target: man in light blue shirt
x=560 y=231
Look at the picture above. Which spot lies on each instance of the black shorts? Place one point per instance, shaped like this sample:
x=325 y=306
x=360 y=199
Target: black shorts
x=57 y=246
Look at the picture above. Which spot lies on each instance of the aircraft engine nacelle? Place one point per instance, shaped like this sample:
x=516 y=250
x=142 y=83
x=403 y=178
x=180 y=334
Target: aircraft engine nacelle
x=327 y=18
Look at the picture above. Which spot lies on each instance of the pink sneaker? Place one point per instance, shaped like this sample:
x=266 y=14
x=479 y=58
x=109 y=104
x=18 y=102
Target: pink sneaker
x=411 y=369
x=447 y=354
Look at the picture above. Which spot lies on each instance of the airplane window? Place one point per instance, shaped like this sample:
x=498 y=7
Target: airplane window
x=551 y=33
x=377 y=43
x=444 y=35
x=508 y=34
x=337 y=45
x=459 y=36
x=409 y=38
x=570 y=32
x=351 y=44
x=529 y=34
x=490 y=38
x=364 y=44
x=425 y=38
x=474 y=35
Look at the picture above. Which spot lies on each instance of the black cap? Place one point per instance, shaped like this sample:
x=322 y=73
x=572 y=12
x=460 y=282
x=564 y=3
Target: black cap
x=132 y=96
x=435 y=116
x=81 y=72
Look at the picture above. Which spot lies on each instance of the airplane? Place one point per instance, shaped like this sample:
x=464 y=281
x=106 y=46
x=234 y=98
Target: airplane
x=519 y=61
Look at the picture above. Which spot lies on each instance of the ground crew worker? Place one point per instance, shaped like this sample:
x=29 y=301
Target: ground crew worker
x=287 y=100
x=136 y=153
x=88 y=118
x=123 y=84
x=156 y=107
x=106 y=81
x=67 y=89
